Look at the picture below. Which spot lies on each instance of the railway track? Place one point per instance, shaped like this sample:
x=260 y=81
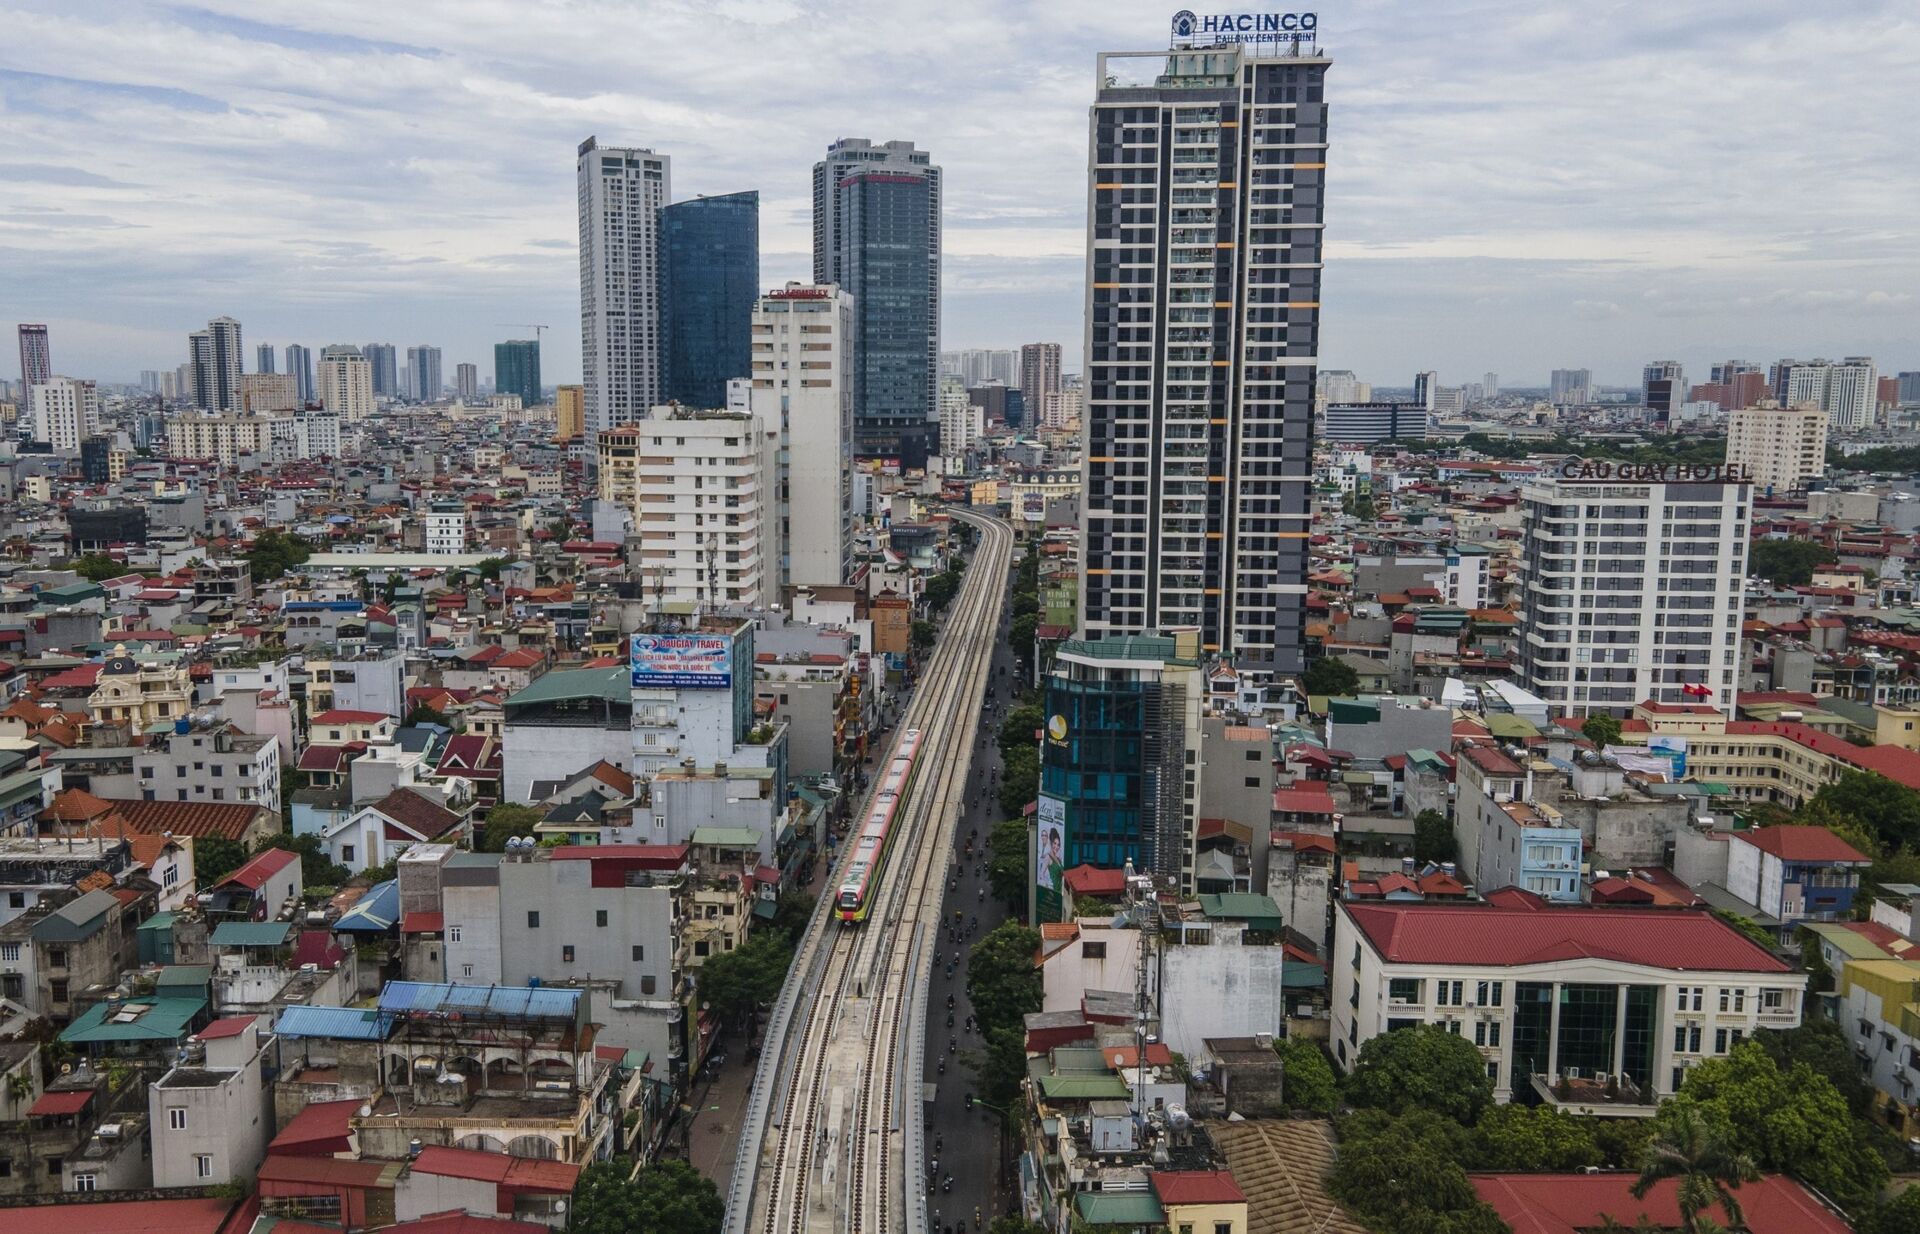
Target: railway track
x=839 y=1151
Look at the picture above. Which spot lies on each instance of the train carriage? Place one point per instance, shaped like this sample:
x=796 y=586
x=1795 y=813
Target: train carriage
x=854 y=900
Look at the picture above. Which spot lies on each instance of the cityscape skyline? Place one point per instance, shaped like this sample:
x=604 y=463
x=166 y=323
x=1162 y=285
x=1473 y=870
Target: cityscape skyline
x=99 y=235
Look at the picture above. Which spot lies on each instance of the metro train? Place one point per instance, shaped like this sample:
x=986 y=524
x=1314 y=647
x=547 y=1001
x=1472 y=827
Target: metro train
x=855 y=898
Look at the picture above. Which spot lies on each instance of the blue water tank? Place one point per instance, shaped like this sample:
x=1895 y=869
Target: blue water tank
x=183 y=725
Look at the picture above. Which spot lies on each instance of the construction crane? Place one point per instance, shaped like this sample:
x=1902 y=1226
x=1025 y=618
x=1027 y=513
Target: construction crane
x=527 y=325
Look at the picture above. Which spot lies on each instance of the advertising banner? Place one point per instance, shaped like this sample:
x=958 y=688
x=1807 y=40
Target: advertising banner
x=683 y=661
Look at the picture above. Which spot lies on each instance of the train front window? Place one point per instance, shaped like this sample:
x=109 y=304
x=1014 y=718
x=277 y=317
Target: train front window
x=849 y=899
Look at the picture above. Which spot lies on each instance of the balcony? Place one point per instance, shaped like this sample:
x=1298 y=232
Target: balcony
x=1615 y=1096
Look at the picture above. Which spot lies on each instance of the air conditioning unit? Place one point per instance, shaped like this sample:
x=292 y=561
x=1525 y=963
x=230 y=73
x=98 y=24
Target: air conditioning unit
x=552 y=1086
x=1573 y=1073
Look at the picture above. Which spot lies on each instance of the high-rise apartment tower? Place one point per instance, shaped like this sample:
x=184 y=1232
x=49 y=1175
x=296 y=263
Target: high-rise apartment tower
x=621 y=193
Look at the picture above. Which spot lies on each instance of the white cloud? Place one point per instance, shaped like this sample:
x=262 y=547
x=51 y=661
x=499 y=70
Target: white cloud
x=359 y=170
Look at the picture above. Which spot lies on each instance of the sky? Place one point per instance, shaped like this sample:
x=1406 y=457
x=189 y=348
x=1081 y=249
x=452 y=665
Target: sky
x=1512 y=187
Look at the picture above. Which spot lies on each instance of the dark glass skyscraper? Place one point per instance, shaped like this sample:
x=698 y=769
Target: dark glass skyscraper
x=709 y=283
x=1203 y=330
x=516 y=369
x=876 y=232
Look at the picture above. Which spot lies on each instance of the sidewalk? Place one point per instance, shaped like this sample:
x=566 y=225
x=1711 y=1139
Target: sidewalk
x=713 y=1131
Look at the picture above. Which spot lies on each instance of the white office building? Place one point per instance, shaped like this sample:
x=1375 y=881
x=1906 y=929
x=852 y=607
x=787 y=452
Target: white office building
x=1633 y=586
x=621 y=193
x=1848 y=391
x=701 y=486
x=1781 y=447
x=346 y=382
x=802 y=344
x=66 y=411
x=962 y=423
x=1593 y=1009
x=423 y=368
x=446 y=528
x=1570 y=387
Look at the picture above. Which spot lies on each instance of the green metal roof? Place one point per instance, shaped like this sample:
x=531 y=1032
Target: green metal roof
x=75 y=921
x=1119 y=1208
x=19 y=787
x=613 y=685
x=1249 y=906
x=1849 y=943
x=158 y=923
x=73 y=593
x=1087 y=1059
x=191 y=976
x=1506 y=724
x=1083 y=1087
x=251 y=933
x=152 y=1019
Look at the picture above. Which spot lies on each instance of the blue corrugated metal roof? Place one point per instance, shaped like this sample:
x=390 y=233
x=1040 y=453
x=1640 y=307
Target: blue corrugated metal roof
x=339 y=1023
x=531 y=1001
x=376 y=912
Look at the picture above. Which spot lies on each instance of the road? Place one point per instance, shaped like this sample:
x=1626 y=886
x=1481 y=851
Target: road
x=832 y=1135
x=968 y=1143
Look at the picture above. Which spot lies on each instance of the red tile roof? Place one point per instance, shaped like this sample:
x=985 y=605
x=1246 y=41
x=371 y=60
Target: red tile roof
x=226 y=1026
x=263 y=866
x=52 y=1104
x=1089 y=880
x=1572 y=1203
x=422 y=923
x=342 y=716
x=1792 y=843
x=1303 y=798
x=1517 y=930
x=1893 y=762
x=418 y=815
x=195 y=1216
x=1492 y=761
x=1197 y=1187
x=227 y=820
x=513 y=1173
x=319 y=1130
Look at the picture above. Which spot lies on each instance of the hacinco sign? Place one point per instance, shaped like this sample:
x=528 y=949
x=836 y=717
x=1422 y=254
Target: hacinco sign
x=1211 y=28
x=1655 y=473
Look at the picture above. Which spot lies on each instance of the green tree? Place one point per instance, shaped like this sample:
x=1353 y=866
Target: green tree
x=735 y=982
x=1402 y=1172
x=489 y=569
x=1900 y=1215
x=97 y=567
x=504 y=822
x=1007 y=868
x=215 y=857
x=1331 y=676
x=1019 y=780
x=1622 y=1141
x=1003 y=982
x=941 y=589
x=1822 y=1045
x=1025 y=602
x=1747 y=926
x=1433 y=838
x=791 y=914
x=999 y=1065
x=1708 y=1166
x=1602 y=731
x=923 y=635
x=1306 y=1078
x=1817 y=813
x=1786 y=563
x=1016 y=1225
x=1021 y=727
x=1792 y=1119
x=1533 y=1139
x=1022 y=632
x=669 y=1197
x=423 y=714
x=1422 y=1067
x=272 y=554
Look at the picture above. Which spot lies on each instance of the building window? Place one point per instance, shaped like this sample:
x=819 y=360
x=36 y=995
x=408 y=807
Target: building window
x=346 y=854
x=16 y=899
x=453 y=933
x=700 y=948
x=57 y=991
x=203 y=1165
x=1448 y=993
x=177 y=1118
x=10 y=952
x=647 y=984
x=466 y=970
x=1686 y=1039
x=171 y=877
x=1493 y=1072
x=1489 y=993
x=600 y=917
x=1403 y=990
x=56 y=957
x=566 y=954
x=1093 y=951
x=1689 y=997
x=83 y=1182
x=1733 y=998
x=639 y=953
x=1773 y=999
x=533 y=919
